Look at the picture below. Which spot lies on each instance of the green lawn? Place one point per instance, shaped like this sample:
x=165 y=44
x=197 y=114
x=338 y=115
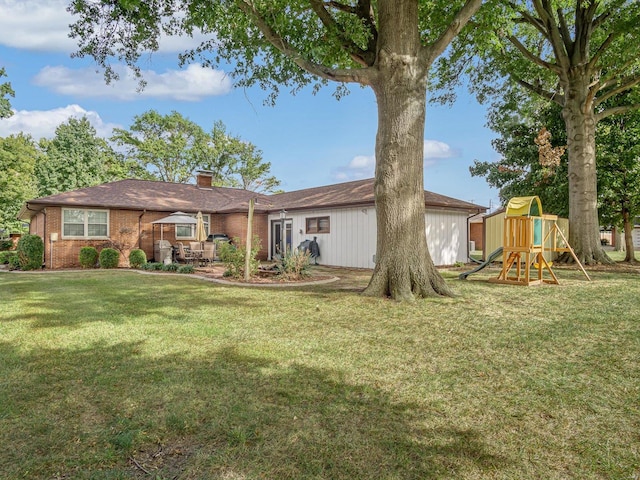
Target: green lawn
x=117 y=375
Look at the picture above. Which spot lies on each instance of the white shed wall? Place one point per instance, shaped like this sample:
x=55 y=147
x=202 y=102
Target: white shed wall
x=352 y=238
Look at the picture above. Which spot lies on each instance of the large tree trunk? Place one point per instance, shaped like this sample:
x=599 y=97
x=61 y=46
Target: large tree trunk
x=404 y=269
x=628 y=236
x=584 y=226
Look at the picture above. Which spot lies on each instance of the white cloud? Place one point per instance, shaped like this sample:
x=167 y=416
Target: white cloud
x=434 y=149
x=360 y=167
x=191 y=84
x=363 y=166
x=43 y=25
x=43 y=123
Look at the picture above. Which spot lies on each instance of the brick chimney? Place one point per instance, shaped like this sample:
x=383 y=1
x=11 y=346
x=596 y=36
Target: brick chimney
x=204 y=179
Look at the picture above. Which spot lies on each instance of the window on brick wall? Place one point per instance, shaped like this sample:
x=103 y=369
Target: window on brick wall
x=318 y=225
x=188 y=231
x=81 y=223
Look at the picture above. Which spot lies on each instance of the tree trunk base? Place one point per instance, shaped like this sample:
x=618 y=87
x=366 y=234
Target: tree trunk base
x=596 y=257
x=406 y=283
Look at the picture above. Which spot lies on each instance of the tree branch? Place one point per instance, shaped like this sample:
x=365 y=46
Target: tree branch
x=534 y=58
x=596 y=56
x=531 y=20
x=552 y=96
x=598 y=21
x=342 y=7
x=564 y=31
x=431 y=52
x=366 y=58
x=626 y=84
x=615 y=111
x=545 y=10
x=363 y=76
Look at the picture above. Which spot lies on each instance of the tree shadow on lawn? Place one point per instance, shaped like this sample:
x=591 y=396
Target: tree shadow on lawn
x=113 y=411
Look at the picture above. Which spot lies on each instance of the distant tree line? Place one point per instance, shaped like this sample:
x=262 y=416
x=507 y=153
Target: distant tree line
x=169 y=148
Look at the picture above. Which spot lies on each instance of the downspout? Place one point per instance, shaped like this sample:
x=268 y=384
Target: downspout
x=469 y=236
x=44 y=256
x=140 y=228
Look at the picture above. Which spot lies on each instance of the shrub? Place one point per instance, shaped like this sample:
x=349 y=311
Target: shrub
x=186 y=269
x=88 y=257
x=30 y=251
x=152 y=266
x=6 y=245
x=5 y=257
x=170 y=267
x=137 y=258
x=294 y=265
x=14 y=261
x=234 y=258
x=109 y=258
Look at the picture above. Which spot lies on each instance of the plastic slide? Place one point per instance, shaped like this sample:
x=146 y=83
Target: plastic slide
x=492 y=256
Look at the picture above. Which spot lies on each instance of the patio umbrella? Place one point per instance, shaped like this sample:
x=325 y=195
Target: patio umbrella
x=201 y=234
x=175 y=218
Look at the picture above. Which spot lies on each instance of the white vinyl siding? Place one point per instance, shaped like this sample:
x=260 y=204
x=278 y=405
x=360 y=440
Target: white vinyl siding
x=352 y=241
x=81 y=223
x=446 y=236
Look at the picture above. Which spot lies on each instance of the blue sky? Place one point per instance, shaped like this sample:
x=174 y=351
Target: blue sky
x=310 y=140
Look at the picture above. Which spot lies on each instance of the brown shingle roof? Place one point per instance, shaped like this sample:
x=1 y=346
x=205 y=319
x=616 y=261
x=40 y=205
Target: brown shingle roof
x=162 y=196
x=359 y=192
x=153 y=195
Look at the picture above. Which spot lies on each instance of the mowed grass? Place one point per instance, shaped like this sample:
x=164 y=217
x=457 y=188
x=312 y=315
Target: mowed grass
x=117 y=375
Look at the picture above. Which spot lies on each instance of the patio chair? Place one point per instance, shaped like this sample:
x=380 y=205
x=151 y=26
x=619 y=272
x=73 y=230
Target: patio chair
x=209 y=253
x=184 y=254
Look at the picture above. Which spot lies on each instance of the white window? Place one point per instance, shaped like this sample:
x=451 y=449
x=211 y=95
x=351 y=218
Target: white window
x=185 y=231
x=80 y=223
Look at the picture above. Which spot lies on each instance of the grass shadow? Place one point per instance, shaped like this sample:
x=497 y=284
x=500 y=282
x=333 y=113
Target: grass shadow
x=111 y=411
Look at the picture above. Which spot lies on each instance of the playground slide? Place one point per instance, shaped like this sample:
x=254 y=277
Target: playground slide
x=492 y=256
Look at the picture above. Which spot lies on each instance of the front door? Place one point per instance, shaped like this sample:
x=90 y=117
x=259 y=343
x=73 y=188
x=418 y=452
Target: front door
x=277 y=237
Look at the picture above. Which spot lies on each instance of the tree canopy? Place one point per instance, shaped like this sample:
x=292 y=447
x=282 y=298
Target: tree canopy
x=169 y=147
x=18 y=156
x=242 y=163
x=581 y=55
x=5 y=91
x=75 y=158
x=388 y=45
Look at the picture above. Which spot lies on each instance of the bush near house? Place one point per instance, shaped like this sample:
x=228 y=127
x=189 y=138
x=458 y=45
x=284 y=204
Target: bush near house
x=88 y=257
x=6 y=245
x=5 y=257
x=30 y=252
x=234 y=257
x=137 y=258
x=109 y=258
x=294 y=265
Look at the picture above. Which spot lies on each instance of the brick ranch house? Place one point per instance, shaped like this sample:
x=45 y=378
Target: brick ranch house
x=341 y=216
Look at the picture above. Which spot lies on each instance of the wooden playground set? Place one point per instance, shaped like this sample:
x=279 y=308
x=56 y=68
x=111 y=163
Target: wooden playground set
x=530 y=239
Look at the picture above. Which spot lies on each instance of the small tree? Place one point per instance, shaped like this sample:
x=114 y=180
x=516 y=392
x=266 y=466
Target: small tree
x=234 y=256
x=126 y=239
